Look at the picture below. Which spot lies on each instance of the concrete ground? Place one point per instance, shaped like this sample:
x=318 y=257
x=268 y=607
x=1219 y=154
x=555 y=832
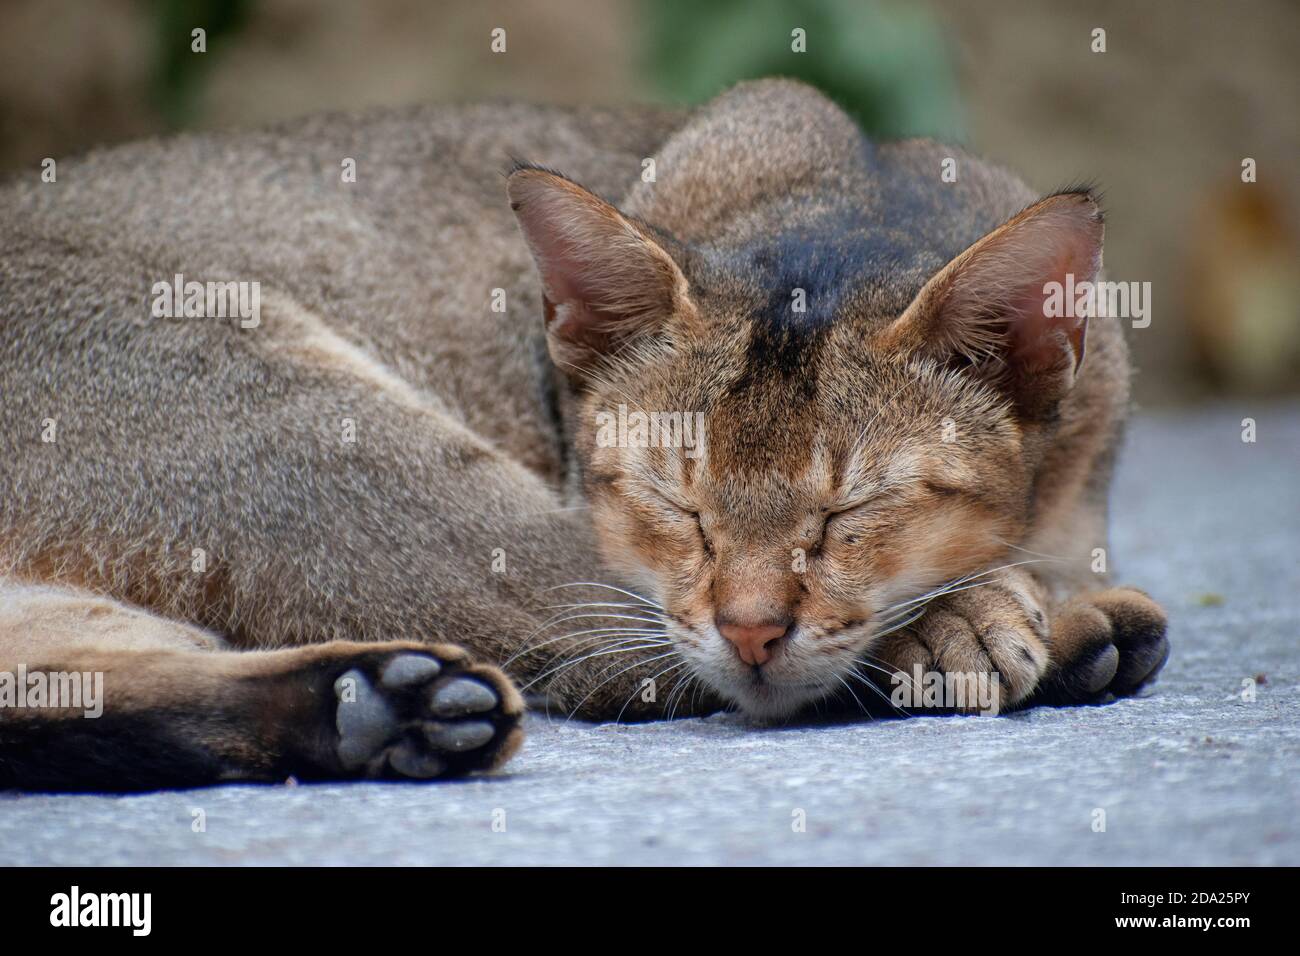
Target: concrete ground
x=1190 y=774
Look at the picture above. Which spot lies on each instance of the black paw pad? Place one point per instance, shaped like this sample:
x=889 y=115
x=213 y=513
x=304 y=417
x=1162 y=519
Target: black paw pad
x=1145 y=654
x=1093 y=674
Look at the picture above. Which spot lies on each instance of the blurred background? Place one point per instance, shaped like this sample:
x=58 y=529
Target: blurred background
x=1162 y=120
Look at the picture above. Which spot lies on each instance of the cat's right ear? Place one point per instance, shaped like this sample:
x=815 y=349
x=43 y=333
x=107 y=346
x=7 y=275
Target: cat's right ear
x=605 y=280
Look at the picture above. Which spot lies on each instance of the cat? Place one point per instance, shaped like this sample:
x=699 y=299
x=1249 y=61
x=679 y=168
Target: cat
x=349 y=535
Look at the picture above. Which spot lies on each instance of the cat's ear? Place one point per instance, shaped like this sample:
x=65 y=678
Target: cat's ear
x=1004 y=305
x=605 y=280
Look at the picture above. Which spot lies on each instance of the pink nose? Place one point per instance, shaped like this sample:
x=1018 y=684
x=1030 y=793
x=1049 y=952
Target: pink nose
x=752 y=642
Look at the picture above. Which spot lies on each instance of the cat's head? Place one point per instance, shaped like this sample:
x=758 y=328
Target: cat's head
x=784 y=454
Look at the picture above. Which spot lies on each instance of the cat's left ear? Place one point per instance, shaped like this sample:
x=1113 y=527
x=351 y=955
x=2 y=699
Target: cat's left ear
x=1004 y=304
x=605 y=280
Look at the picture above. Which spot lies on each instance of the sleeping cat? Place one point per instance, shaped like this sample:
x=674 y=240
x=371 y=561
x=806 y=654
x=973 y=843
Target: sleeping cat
x=785 y=424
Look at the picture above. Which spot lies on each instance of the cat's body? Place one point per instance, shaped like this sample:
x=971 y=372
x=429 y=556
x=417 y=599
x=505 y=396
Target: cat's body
x=386 y=458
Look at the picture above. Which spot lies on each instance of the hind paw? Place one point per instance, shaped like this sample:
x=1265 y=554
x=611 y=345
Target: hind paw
x=423 y=713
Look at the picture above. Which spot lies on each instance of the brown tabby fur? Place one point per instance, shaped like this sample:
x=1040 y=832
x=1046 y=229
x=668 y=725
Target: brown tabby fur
x=473 y=447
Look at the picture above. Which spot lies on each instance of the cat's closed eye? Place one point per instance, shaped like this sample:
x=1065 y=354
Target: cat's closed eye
x=705 y=540
x=940 y=490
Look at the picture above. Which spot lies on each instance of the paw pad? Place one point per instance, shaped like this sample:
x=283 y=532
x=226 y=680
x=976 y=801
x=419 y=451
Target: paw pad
x=401 y=716
x=458 y=697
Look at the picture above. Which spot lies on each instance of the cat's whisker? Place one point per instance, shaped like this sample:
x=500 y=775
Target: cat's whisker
x=861 y=706
x=653 y=677
x=552 y=621
x=578 y=705
x=549 y=511
x=895 y=624
x=609 y=610
x=566 y=617
x=871 y=685
x=596 y=584
x=591 y=604
x=674 y=693
x=880 y=411
x=867 y=681
x=635 y=644
x=1012 y=564
x=692 y=679
x=606 y=615
x=935 y=591
x=924 y=598
x=699 y=686
x=957 y=584
x=681 y=696
x=890 y=615
x=582 y=642
x=592 y=376
x=677 y=693
x=534 y=648
x=610 y=639
x=892 y=674
x=908 y=606
x=528 y=647
x=609 y=615
x=1040 y=554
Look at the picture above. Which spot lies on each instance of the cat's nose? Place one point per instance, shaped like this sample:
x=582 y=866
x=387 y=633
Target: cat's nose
x=753 y=641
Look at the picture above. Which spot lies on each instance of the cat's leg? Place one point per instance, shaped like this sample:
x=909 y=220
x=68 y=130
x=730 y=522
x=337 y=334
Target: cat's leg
x=97 y=694
x=1047 y=623
x=995 y=624
x=1094 y=646
x=278 y=485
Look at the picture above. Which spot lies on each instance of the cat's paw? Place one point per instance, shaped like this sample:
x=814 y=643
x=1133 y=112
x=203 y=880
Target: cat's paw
x=423 y=712
x=994 y=633
x=1104 y=645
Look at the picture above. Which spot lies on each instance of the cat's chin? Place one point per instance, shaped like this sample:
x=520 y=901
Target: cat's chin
x=770 y=703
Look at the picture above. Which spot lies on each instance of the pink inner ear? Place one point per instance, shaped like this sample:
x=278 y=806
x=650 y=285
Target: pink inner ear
x=1036 y=343
x=1060 y=246
x=558 y=277
x=605 y=279
x=556 y=223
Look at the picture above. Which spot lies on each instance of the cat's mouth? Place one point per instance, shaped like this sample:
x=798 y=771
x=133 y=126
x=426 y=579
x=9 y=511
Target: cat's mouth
x=781 y=689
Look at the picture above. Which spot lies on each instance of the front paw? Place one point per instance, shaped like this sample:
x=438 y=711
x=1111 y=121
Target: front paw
x=991 y=638
x=1104 y=645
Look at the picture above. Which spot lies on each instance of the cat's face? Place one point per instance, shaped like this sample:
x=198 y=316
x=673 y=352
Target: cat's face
x=785 y=483
x=815 y=505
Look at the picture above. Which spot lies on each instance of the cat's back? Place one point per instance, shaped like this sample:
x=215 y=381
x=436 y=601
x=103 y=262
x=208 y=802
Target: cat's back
x=388 y=229
x=410 y=173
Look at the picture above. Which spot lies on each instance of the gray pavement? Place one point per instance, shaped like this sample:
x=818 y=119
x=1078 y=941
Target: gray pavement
x=1190 y=774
